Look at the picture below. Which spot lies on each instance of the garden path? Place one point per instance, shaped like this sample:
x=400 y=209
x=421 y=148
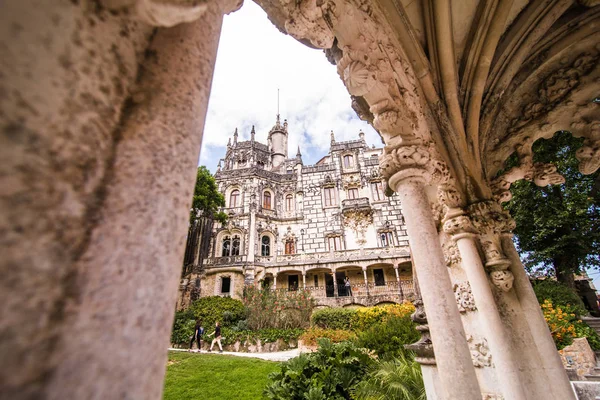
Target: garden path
x=274 y=356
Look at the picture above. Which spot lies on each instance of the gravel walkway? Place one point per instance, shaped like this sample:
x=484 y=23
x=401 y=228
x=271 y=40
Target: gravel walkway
x=276 y=356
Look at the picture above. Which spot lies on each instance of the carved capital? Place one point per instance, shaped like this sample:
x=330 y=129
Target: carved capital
x=456 y=222
x=413 y=161
x=490 y=218
x=307 y=20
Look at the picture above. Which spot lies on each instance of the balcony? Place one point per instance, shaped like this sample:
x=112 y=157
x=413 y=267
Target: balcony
x=342 y=256
x=364 y=294
x=360 y=204
x=222 y=261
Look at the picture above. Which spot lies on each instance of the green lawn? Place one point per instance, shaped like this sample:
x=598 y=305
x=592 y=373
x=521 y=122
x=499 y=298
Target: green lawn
x=215 y=376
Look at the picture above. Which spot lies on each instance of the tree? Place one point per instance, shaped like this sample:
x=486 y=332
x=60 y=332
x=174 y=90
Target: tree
x=207 y=198
x=558 y=226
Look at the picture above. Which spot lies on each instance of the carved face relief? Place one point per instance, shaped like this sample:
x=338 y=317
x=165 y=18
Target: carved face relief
x=464 y=297
x=503 y=280
x=480 y=352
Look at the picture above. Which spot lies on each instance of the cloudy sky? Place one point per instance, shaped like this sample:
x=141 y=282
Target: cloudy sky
x=253 y=61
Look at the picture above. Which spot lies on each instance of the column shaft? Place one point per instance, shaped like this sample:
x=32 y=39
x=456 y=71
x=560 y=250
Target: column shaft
x=491 y=323
x=557 y=377
x=452 y=354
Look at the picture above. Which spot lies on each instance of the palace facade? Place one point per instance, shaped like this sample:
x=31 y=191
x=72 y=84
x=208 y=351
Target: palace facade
x=297 y=226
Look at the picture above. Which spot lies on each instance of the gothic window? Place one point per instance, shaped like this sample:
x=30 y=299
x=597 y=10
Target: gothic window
x=226 y=246
x=225 y=285
x=267 y=200
x=235 y=248
x=290 y=247
x=289 y=202
x=377 y=189
x=234 y=198
x=335 y=242
x=265 y=246
x=353 y=193
x=348 y=161
x=329 y=196
x=386 y=239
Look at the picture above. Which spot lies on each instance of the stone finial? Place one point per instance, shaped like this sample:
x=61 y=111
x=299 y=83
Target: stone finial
x=285 y=125
x=229 y=142
x=332 y=137
x=361 y=135
x=235 y=136
x=252 y=133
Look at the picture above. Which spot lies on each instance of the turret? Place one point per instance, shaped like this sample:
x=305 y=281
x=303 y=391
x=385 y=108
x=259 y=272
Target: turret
x=278 y=137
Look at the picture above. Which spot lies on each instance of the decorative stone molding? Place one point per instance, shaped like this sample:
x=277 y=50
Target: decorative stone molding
x=351 y=181
x=167 y=13
x=423 y=348
x=464 y=297
x=480 y=352
x=492 y=221
x=358 y=220
x=451 y=253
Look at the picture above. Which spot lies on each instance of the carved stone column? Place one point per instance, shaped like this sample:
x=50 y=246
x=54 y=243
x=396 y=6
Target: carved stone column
x=274 y=281
x=335 y=287
x=398 y=281
x=459 y=226
x=364 y=269
x=304 y=280
x=408 y=169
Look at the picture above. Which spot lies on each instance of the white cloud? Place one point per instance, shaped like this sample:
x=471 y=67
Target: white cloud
x=253 y=61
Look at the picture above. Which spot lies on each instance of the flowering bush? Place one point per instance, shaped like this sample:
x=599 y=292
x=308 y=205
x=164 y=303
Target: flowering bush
x=310 y=336
x=364 y=318
x=277 y=308
x=565 y=326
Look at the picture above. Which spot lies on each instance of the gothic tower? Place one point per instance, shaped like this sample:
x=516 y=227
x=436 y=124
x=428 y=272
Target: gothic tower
x=278 y=140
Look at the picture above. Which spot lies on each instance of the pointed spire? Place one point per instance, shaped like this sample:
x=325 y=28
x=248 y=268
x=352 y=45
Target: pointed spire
x=235 y=136
x=229 y=142
x=332 y=137
x=252 y=133
x=298 y=154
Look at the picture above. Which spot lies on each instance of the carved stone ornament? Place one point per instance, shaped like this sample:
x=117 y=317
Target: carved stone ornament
x=502 y=279
x=308 y=20
x=351 y=181
x=464 y=297
x=480 y=352
x=167 y=12
x=589 y=157
x=423 y=348
x=458 y=224
x=414 y=160
x=451 y=253
x=358 y=221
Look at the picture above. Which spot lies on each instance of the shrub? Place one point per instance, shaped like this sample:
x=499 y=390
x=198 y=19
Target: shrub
x=564 y=326
x=399 y=379
x=183 y=327
x=364 y=318
x=277 y=308
x=387 y=338
x=559 y=294
x=330 y=373
x=211 y=309
x=333 y=318
x=312 y=335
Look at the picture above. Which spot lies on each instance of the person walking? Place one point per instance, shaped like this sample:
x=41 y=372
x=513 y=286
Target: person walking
x=348 y=286
x=197 y=336
x=217 y=339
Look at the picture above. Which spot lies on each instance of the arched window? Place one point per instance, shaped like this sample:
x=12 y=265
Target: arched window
x=265 y=246
x=235 y=248
x=348 y=161
x=387 y=239
x=267 y=200
x=289 y=202
x=226 y=246
x=352 y=193
x=290 y=247
x=377 y=191
x=234 y=198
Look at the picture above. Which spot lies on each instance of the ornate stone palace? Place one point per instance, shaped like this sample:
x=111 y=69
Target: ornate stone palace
x=305 y=226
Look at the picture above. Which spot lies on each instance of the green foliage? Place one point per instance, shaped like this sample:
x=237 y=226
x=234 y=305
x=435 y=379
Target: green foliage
x=312 y=335
x=215 y=377
x=387 y=338
x=277 y=308
x=333 y=318
x=207 y=198
x=329 y=373
x=366 y=317
x=584 y=330
x=211 y=309
x=559 y=294
x=397 y=379
x=558 y=227
x=183 y=327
